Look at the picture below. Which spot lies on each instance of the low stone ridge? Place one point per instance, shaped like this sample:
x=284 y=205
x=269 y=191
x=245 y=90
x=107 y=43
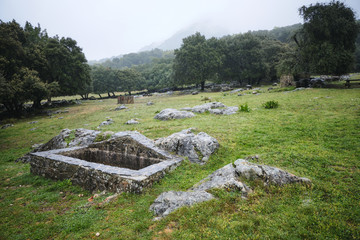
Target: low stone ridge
x=170 y=113
x=167 y=202
x=269 y=175
x=127 y=162
x=185 y=143
x=225 y=178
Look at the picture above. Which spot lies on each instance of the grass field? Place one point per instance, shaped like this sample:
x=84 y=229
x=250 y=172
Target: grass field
x=314 y=133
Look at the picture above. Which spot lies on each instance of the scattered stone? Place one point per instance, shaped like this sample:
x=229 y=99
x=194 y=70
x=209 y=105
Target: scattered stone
x=132 y=121
x=149 y=103
x=248 y=87
x=270 y=88
x=240 y=94
x=274 y=84
x=185 y=143
x=167 y=202
x=83 y=137
x=37 y=146
x=270 y=175
x=254 y=92
x=33 y=122
x=224 y=111
x=7 y=126
x=61 y=118
x=33 y=129
x=121 y=107
x=195 y=93
x=170 y=113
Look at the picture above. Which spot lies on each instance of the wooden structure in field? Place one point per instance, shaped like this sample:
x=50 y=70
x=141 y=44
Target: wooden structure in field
x=125 y=99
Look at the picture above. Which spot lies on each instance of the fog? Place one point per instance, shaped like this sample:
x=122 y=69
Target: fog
x=108 y=28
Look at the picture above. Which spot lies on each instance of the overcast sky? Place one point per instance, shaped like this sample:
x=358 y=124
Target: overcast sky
x=105 y=28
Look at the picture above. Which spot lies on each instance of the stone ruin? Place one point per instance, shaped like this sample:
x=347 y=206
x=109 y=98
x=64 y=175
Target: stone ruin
x=127 y=162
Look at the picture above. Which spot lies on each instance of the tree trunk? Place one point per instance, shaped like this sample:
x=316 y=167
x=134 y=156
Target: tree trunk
x=129 y=93
x=36 y=104
x=202 y=85
x=99 y=95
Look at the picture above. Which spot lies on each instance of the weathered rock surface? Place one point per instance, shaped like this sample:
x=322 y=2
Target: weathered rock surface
x=167 y=202
x=186 y=143
x=83 y=137
x=225 y=177
x=224 y=111
x=170 y=113
x=270 y=175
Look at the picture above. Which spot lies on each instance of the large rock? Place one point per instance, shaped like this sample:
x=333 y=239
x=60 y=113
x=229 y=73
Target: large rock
x=224 y=111
x=186 y=143
x=170 y=113
x=167 y=202
x=226 y=178
x=270 y=175
x=207 y=106
x=83 y=137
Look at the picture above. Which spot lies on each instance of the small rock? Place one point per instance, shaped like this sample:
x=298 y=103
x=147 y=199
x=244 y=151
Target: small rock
x=121 y=107
x=33 y=129
x=97 y=234
x=149 y=103
x=61 y=118
x=107 y=122
x=195 y=93
x=33 y=122
x=132 y=121
x=7 y=126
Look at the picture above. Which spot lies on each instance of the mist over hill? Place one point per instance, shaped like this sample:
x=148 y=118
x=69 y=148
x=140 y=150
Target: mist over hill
x=282 y=34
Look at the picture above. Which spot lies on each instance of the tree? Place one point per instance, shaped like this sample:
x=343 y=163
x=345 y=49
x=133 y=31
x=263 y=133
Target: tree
x=327 y=39
x=130 y=80
x=244 y=59
x=196 y=61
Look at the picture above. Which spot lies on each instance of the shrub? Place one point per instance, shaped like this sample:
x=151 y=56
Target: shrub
x=271 y=104
x=244 y=108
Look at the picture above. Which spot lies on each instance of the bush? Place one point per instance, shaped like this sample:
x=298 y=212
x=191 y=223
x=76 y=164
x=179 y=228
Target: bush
x=244 y=108
x=271 y=104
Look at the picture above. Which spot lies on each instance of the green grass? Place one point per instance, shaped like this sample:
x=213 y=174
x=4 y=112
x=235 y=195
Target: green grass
x=313 y=133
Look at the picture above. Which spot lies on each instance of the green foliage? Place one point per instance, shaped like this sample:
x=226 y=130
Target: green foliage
x=34 y=66
x=244 y=108
x=327 y=39
x=196 y=61
x=271 y=104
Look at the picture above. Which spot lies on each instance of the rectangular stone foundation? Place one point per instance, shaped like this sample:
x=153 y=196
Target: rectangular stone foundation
x=121 y=165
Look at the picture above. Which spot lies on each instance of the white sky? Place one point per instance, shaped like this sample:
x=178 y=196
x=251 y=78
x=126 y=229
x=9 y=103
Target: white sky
x=106 y=28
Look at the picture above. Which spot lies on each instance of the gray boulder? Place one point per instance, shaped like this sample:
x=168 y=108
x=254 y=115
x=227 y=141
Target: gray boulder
x=224 y=111
x=270 y=175
x=83 y=137
x=170 y=113
x=186 y=143
x=207 y=106
x=167 y=202
x=225 y=177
